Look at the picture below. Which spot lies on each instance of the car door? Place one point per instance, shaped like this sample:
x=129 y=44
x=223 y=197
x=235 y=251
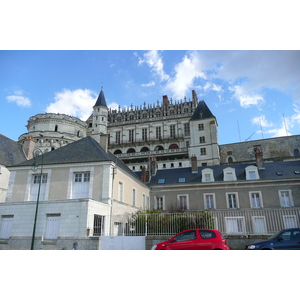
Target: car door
x=284 y=241
x=206 y=240
x=187 y=240
x=296 y=239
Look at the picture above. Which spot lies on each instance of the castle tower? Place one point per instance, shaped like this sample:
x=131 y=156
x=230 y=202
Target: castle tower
x=99 y=123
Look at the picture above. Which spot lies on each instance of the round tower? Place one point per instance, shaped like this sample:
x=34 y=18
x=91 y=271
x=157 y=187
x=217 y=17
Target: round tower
x=99 y=121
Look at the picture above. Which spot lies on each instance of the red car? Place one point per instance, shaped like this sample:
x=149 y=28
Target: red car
x=195 y=239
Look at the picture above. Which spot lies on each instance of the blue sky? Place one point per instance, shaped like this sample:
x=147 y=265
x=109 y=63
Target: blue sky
x=253 y=94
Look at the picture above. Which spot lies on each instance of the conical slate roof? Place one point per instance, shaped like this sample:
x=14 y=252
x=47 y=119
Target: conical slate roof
x=202 y=112
x=101 y=100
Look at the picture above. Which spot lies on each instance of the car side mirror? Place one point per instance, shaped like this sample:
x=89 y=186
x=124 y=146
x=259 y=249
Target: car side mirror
x=279 y=239
x=173 y=241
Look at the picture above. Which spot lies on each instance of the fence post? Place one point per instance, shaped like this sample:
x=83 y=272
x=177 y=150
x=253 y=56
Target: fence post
x=146 y=225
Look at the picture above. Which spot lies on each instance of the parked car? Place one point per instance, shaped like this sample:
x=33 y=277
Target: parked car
x=288 y=239
x=195 y=239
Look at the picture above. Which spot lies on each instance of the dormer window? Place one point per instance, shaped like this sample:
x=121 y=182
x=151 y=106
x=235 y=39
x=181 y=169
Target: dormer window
x=229 y=174
x=208 y=175
x=251 y=173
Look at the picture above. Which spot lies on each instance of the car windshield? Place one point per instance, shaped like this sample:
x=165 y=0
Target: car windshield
x=274 y=236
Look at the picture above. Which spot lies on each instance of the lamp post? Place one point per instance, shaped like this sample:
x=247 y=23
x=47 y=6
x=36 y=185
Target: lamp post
x=36 y=153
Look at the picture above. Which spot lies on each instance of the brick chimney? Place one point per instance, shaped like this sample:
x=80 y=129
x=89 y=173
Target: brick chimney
x=194 y=164
x=165 y=102
x=144 y=175
x=104 y=141
x=28 y=147
x=259 y=158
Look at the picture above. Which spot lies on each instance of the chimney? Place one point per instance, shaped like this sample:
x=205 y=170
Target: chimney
x=28 y=147
x=144 y=175
x=153 y=165
x=165 y=102
x=194 y=164
x=195 y=99
x=259 y=158
x=104 y=141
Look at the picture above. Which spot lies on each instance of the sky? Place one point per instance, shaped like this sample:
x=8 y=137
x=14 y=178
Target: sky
x=253 y=94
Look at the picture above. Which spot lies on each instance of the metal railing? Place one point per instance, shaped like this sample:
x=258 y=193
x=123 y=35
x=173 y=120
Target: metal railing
x=229 y=222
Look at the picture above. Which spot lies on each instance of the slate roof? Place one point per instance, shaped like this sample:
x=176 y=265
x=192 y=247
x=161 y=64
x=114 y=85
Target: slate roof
x=85 y=150
x=101 y=100
x=202 y=112
x=285 y=170
x=11 y=152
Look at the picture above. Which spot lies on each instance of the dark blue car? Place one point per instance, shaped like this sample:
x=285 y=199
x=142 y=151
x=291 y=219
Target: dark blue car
x=287 y=239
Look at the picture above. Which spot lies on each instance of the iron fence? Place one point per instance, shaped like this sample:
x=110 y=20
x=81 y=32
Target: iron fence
x=230 y=222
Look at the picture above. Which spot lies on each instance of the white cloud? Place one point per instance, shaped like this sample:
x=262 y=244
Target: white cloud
x=152 y=83
x=19 y=99
x=246 y=100
x=262 y=121
x=186 y=72
x=154 y=61
x=113 y=105
x=77 y=103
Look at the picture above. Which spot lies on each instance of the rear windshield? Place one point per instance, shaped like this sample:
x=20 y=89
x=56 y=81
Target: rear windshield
x=207 y=234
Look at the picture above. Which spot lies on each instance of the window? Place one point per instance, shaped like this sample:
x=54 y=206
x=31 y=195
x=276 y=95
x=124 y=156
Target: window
x=202 y=139
x=52 y=226
x=172 y=131
x=159 y=202
x=187 y=129
x=158 y=133
x=229 y=174
x=161 y=181
x=133 y=197
x=181 y=179
x=285 y=198
x=6 y=226
x=259 y=224
x=209 y=201
x=144 y=134
x=235 y=225
x=131 y=135
x=118 y=137
x=81 y=185
x=36 y=180
x=207 y=175
x=144 y=201
x=200 y=127
x=207 y=234
x=251 y=173
x=186 y=236
x=232 y=200
x=202 y=151
x=98 y=229
x=121 y=191
x=255 y=198
x=182 y=202
x=289 y=221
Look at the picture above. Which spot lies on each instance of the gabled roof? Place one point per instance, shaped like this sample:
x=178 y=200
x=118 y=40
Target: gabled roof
x=11 y=152
x=85 y=150
x=101 y=100
x=202 y=112
x=272 y=171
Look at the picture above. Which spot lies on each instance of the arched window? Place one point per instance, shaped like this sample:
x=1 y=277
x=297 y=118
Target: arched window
x=118 y=151
x=130 y=150
x=78 y=133
x=174 y=146
x=296 y=152
x=157 y=148
x=145 y=149
x=230 y=160
x=56 y=128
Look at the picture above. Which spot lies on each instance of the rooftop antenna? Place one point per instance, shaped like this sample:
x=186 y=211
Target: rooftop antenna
x=285 y=125
x=262 y=134
x=249 y=137
x=239 y=130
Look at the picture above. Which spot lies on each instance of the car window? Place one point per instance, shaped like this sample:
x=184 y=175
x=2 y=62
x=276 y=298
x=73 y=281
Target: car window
x=186 y=236
x=296 y=235
x=207 y=234
x=286 y=236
